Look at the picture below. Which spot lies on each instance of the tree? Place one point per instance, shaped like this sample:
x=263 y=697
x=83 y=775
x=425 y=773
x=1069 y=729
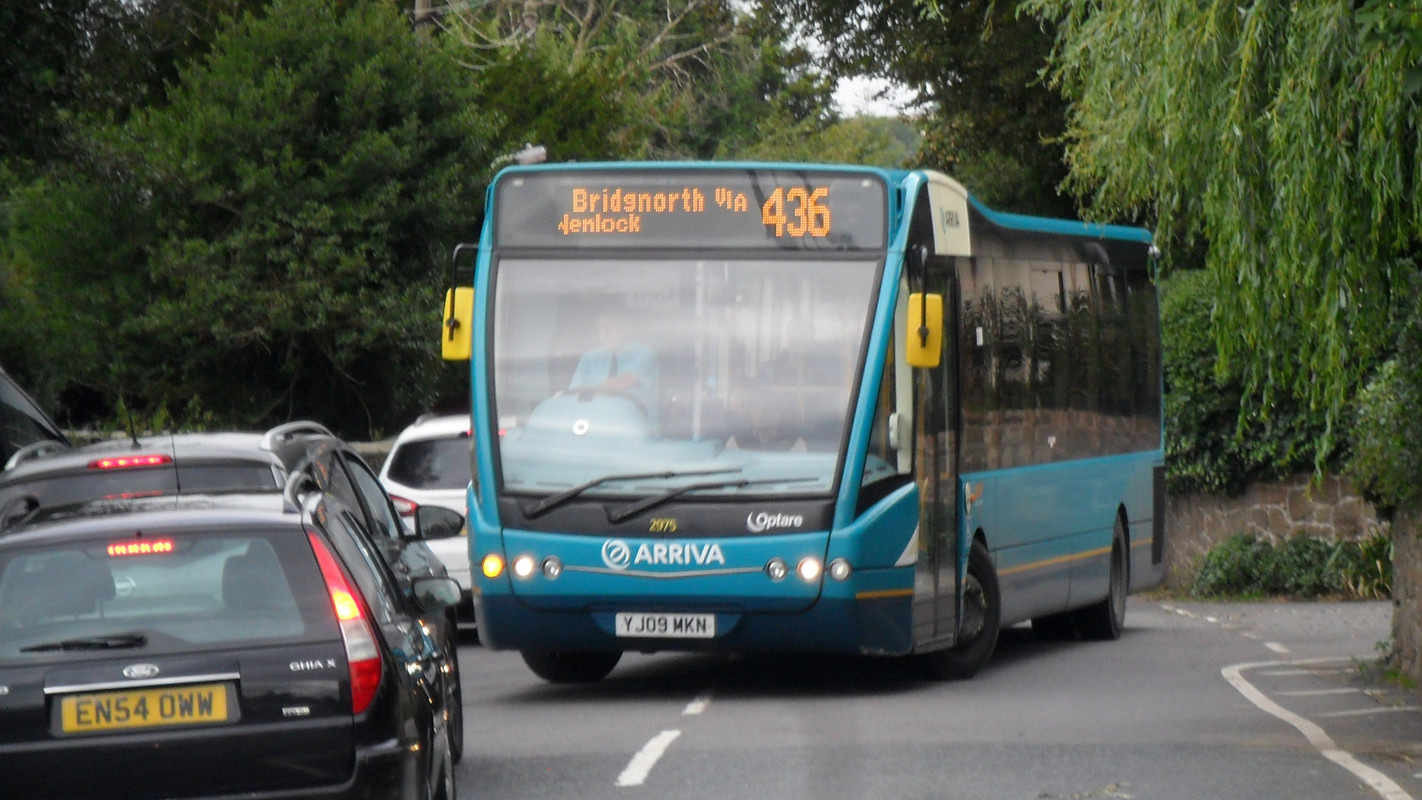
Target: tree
x=1287 y=139
x=974 y=66
x=662 y=79
x=64 y=59
x=270 y=243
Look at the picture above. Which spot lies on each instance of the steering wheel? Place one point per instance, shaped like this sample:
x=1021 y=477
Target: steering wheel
x=610 y=392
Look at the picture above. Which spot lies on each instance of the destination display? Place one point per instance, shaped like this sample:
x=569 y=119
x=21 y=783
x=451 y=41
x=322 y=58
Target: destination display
x=732 y=209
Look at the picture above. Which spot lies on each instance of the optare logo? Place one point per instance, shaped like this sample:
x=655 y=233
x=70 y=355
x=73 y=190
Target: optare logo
x=764 y=521
x=616 y=554
x=140 y=671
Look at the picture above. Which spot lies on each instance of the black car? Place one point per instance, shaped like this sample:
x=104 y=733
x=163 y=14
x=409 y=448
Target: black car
x=24 y=428
x=253 y=645
x=296 y=454
x=202 y=463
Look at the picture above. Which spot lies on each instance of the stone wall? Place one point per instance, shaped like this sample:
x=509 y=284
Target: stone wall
x=1327 y=510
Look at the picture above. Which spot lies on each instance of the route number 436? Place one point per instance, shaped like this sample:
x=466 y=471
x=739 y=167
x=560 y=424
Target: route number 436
x=797 y=212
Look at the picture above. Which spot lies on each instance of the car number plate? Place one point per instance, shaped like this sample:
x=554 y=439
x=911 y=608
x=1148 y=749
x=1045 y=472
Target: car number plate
x=198 y=704
x=666 y=626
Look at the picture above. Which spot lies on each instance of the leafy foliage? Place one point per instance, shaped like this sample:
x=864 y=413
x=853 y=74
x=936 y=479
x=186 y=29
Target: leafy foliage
x=1219 y=437
x=989 y=121
x=1385 y=460
x=661 y=79
x=1232 y=124
x=1301 y=566
x=258 y=244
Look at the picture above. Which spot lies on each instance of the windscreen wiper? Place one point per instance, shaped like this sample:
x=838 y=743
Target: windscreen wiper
x=655 y=500
x=552 y=501
x=108 y=642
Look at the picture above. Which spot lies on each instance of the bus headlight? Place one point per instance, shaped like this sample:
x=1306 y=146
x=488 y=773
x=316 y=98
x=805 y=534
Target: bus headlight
x=492 y=566
x=809 y=569
x=839 y=569
x=523 y=566
x=552 y=567
x=777 y=569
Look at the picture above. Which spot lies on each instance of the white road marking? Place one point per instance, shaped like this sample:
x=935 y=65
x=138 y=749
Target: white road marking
x=646 y=758
x=1319 y=692
x=1362 y=712
x=1276 y=647
x=698 y=705
x=1321 y=741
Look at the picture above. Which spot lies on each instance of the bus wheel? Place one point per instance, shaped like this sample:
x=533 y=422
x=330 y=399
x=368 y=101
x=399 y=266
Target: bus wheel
x=556 y=667
x=1104 y=621
x=982 y=613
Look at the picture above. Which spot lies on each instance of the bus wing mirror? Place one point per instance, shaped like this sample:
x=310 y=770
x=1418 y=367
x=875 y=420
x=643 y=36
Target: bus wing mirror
x=456 y=334
x=924 y=336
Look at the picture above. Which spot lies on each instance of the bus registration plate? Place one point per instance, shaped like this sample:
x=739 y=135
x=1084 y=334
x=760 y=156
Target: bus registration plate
x=666 y=626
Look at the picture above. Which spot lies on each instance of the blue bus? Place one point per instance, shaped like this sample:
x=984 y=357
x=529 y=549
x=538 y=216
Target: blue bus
x=764 y=407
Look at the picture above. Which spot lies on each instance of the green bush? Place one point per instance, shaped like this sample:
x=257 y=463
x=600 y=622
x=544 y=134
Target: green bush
x=1385 y=460
x=1218 y=437
x=1247 y=566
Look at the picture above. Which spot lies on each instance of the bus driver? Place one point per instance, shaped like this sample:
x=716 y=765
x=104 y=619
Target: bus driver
x=619 y=366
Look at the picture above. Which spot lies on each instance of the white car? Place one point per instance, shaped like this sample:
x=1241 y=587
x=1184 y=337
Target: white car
x=429 y=465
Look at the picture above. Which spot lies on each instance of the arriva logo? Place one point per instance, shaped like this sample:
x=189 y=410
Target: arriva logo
x=618 y=555
x=762 y=522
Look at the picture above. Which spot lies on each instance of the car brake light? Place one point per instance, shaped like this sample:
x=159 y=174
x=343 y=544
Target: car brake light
x=137 y=547
x=362 y=653
x=130 y=462
x=403 y=507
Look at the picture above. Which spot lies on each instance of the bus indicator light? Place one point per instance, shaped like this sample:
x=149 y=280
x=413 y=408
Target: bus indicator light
x=492 y=566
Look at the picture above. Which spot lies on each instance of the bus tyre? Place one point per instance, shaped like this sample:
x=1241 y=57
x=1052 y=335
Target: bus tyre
x=1104 y=621
x=982 y=614
x=558 y=667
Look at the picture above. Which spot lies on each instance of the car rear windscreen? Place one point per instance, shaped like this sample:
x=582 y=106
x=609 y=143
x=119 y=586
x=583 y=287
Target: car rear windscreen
x=117 y=484
x=431 y=463
x=157 y=593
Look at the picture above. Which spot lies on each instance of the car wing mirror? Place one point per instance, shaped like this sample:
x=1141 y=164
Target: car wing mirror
x=434 y=522
x=435 y=594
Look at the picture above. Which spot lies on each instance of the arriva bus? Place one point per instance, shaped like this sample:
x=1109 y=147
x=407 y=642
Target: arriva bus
x=800 y=408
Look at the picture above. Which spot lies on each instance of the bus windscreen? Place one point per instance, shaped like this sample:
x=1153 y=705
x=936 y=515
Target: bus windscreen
x=723 y=209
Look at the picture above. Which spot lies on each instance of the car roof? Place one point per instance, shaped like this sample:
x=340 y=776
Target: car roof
x=184 y=448
x=433 y=426
x=169 y=513
x=269 y=448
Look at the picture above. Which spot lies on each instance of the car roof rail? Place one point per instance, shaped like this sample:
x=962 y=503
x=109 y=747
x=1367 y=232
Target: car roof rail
x=290 y=430
x=35 y=450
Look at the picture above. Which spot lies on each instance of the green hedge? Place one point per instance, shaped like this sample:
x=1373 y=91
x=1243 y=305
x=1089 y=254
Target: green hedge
x=1210 y=446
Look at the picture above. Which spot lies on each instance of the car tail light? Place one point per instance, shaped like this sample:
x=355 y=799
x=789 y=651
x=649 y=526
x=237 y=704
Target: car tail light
x=362 y=652
x=131 y=462
x=405 y=508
